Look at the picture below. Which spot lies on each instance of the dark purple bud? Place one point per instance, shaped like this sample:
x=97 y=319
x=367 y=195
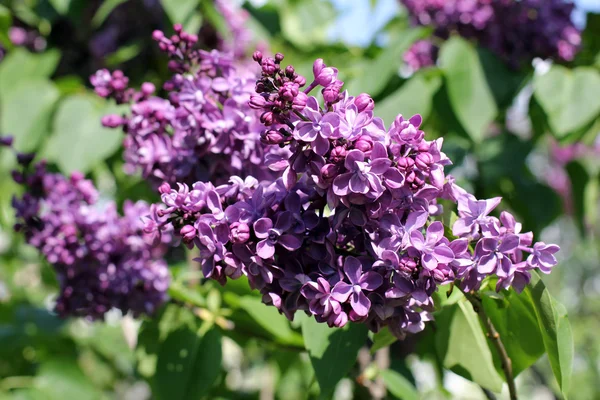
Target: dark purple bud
x=25 y=159
x=272 y=137
x=17 y=177
x=288 y=91
x=364 y=143
x=278 y=58
x=257 y=102
x=338 y=154
x=6 y=141
x=364 y=102
x=178 y=28
x=268 y=66
x=289 y=71
x=257 y=56
x=240 y=232
x=267 y=118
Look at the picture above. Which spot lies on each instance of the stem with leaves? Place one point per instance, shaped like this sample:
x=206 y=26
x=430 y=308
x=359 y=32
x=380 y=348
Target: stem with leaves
x=495 y=338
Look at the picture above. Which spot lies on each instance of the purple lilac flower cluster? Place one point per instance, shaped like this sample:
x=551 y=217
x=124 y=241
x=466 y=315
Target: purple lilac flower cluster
x=352 y=229
x=204 y=130
x=102 y=260
x=517 y=31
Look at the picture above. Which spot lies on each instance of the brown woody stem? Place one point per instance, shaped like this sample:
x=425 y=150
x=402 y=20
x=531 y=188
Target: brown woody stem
x=495 y=338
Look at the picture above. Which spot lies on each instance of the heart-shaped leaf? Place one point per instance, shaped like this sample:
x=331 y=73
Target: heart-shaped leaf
x=569 y=97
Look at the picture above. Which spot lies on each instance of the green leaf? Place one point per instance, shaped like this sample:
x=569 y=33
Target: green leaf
x=569 y=97
x=382 y=339
x=5 y=24
x=27 y=115
x=270 y=320
x=61 y=379
x=124 y=54
x=332 y=351
x=305 y=23
x=183 y=12
x=375 y=74
x=414 y=97
x=104 y=11
x=188 y=364
x=61 y=6
x=77 y=129
x=462 y=347
x=515 y=319
x=181 y=292
x=21 y=65
x=580 y=178
x=556 y=331
x=468 y=91
x=399 y=386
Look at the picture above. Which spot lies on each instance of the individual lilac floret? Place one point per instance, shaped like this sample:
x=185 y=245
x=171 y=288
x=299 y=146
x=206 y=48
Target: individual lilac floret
x=359 y=284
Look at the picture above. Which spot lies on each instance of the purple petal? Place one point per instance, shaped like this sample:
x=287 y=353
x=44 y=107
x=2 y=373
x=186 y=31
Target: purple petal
x=261 y=227
x=352 y=157
x=487 y=264
x=370 y=281
x=429 y=262
x=265 y=250
x=360 y=303
x=340 y=184
x=284 y=221
x=290 y=242
x=443 y=254
x=509 y=243
x=341 y=291
x=380 y=166
x=435 y=232
x=358 y=185
x=353 y=269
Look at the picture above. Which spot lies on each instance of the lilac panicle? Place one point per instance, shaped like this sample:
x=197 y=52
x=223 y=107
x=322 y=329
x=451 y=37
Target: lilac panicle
x=517 y=31
x=350 y=230
x=102 y=260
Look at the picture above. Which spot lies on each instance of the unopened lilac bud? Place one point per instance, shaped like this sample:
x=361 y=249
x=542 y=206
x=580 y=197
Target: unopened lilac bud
x=325 y=75
x=424 y=160
x=278 y=58
x=272 y=137
x=288 y=91
x=6 y=141
x=25 y=159
x=158 y=35
x=329 y=171
x=268 y=66
x=289 y=71
x=331 y=93
x=338 y=154
x=424 y=147
x=267 y=118
x=364 y=143
x=164 y=188
x=148 y=88
x=17 y=177
x=405 y=162
x=240 y=232
x=257 y=102
x=318 y=65
x=257 y=56
x=364 y=102
x=188 y=233
x=300 y=80
x=112 y=121
x=300 y=101
x=177 y=28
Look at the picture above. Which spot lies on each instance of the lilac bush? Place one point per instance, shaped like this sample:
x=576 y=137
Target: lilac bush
x=352 y=228
x=499 y=26
x=102 y=259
